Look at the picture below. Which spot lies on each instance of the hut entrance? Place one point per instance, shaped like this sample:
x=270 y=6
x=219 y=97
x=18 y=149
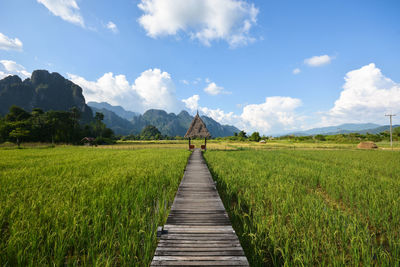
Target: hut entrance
x=197 y=129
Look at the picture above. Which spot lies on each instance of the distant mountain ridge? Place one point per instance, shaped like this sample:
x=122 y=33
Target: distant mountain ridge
x=118 y=110
x=167 y=123
x=48 y=91
x=346 y=128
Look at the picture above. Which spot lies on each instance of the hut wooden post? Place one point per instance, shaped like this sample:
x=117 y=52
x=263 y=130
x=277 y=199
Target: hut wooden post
x=189 y=143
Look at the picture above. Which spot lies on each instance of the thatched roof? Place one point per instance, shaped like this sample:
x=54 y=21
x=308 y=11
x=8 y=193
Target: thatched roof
x=88 y=139
x=197 y=129
x=367 y=145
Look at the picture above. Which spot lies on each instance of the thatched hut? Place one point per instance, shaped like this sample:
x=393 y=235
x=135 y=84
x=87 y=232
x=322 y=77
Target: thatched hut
x=197 y=129
x=367 y=145
x=89 y=141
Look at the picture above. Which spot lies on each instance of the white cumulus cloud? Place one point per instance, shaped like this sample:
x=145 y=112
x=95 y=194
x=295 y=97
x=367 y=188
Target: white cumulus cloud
x=157 y=89
x=213 y=89
x=68 y=10
x=7 y=43
x=367 y=95
x=276 y=114
x=318 y=61
x=112 y=27
x=204 y=20
x=152 y=89
x=192 y=103
x=12 y=68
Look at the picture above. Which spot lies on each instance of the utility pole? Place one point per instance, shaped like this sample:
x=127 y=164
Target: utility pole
x=391 y=139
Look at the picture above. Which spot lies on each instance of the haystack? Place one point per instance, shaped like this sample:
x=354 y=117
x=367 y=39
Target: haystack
x=367 y=145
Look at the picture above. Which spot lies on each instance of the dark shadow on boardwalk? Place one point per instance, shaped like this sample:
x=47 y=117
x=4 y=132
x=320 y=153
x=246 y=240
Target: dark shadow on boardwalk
x=198 y=231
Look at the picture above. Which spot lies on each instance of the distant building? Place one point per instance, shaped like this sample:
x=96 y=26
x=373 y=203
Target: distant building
x=88 y=141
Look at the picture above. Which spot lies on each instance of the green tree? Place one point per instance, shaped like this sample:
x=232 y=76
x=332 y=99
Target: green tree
x=150 y=132
x=4 y=130
x=75 y=116
x=320 y=137
x=38 y=125
x=99 y=125
x=255 y=136
x=17 y=114
x=19 y=134
x=60 y=125
x=242 y=134
x=396 y=133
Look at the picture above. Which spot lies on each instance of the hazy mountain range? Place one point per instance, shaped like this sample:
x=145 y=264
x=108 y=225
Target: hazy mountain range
x=168 y=123
x=346 y=128
x=118 y=110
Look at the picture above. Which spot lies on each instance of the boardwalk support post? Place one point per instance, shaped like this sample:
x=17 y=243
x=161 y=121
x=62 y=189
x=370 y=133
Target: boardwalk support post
x=159 y=231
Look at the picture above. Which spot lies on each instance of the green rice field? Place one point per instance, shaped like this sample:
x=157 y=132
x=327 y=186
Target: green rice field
x=295 y=207
x=84 y=206
x=313 y=207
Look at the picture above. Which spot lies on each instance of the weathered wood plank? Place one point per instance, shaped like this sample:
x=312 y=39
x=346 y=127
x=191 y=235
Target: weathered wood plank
x=199 y=263
x=197 y=249
x=200 y=258
x=199 y=253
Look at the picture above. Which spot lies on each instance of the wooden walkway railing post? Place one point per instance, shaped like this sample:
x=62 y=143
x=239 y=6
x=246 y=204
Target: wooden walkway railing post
x=198 y=231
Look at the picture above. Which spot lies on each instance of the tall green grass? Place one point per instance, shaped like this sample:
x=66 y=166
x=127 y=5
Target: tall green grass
x=84 y=206
x=312 y=207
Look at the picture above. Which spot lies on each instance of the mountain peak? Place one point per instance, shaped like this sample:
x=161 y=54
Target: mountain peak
x=183 y=113
x=11 y=79
x=48 y=91
x=157 y=112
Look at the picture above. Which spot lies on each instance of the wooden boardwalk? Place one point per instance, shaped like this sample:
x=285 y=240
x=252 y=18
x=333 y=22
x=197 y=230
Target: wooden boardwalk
x=198 y=231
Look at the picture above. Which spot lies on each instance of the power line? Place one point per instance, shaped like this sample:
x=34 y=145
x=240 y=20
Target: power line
x=391 y=139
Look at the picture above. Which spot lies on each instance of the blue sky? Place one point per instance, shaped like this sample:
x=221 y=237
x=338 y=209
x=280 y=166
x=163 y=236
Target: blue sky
x=268 y=66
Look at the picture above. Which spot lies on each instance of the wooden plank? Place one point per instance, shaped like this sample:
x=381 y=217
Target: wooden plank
x=200 y=258
x=200 y=246
x=197 y=249
x=199 y=263
x=198 y=230
x=199 y=242
x=200 y=253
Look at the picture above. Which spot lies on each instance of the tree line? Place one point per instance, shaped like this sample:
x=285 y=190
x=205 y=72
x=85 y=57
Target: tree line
x=51 y=126
x=336 y=138
x=345 y=137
